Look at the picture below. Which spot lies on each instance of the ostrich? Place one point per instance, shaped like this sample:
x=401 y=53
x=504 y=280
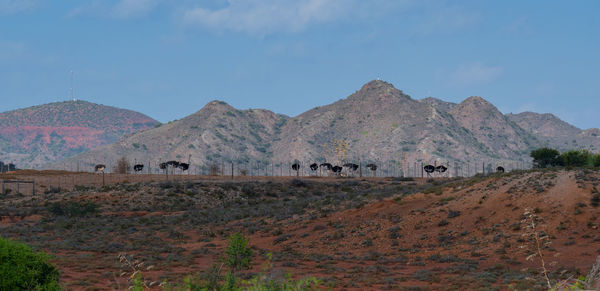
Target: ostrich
x=336 y=169
x=372 y=167
x=500 y=169
x=173 y=164
x=296 y=167
x=429 y=169
x=138 y=167
x=314 y=167
x=163 y=166
x=327 y=166
x=99 y=168
x=352 y=167
x=441 y=169
x=184 y=166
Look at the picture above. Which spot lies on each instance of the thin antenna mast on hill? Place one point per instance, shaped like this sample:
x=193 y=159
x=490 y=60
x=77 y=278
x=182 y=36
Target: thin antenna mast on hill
x=71 y=87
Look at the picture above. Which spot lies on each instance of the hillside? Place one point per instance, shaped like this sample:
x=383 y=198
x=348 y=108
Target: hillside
x=500 y=137
x=557 y=133
x=379 y=123
x=353 y=234
x=46 y=133
x=214 y=132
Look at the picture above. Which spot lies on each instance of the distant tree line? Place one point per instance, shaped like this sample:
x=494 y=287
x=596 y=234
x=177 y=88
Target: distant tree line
x=7 y=167
x=548 y=157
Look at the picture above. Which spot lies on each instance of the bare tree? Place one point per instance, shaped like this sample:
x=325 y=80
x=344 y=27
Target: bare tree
x=122 y=166
x=214 y=169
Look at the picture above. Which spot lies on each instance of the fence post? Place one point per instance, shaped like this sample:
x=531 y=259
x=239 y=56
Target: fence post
x=231 y=170
x=33 y=189
x=360 y=168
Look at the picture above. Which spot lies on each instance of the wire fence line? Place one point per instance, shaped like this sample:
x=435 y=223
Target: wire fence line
x=390 y=168
x=77 y=175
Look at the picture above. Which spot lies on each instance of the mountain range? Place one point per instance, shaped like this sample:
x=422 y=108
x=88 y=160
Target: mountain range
x=38 y=135
x=377 y=122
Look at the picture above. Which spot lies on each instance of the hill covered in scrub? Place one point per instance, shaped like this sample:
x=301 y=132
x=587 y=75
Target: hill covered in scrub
x=38 y=135
x=378 y=123
x=352 y=234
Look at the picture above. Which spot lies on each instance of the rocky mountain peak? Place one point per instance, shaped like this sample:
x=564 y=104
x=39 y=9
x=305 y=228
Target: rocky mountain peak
x=378 y=91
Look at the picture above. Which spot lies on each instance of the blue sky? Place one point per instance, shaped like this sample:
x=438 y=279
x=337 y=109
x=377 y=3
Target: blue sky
x=168 y=58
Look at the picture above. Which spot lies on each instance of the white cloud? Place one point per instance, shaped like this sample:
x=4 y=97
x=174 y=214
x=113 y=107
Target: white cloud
x=15 y=6
x=122 y=9
x=262 y=17
x=133 y=8
x=474 y=74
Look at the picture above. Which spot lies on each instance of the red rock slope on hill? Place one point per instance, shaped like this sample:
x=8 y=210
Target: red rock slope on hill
x=41 y=134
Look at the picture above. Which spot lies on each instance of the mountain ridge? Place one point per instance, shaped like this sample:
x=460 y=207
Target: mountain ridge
x=378 y=122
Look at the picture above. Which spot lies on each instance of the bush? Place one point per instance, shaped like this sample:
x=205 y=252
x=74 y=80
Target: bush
x=23 y=269
x=73 y=208
x=238 y=254
x=214 y=169
x=52 y=190
x=575 y=158
x=595 y=160
x=122 y=166
x=545 y=157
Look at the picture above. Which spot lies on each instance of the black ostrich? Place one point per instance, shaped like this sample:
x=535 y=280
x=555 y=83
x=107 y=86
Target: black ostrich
x=336 y=169
x=327 y=166
x=429 y=169
x=183 y=166
x=351 y=166
x=138 y=167
x=441 y=169
x=173 y=164
x=372 y=167
x=295 y=166
x=314 y=167
x=500 y=169
x=99 y=168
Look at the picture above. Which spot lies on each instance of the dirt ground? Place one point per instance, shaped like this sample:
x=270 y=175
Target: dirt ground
x=351 y=233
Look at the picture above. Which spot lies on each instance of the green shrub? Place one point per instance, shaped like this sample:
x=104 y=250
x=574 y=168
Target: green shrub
x=23 y=269
x=595 y=160
x=575 y=158
x=545 y=157
x=73 y=208
x=238 y=254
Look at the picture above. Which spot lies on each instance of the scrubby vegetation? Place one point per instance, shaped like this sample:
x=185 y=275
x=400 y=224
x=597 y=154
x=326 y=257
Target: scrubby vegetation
x=547 y=157
x=384 y=233
x=21 y=268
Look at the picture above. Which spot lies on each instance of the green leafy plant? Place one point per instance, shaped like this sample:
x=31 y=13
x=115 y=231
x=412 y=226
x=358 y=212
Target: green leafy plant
x=238 y=255
x=545 y=157
x=21 y=268
x=73 y=208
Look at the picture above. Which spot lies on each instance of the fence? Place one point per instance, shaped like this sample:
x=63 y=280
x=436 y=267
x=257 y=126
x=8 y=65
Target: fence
x=271 y=168
x=72 y=179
